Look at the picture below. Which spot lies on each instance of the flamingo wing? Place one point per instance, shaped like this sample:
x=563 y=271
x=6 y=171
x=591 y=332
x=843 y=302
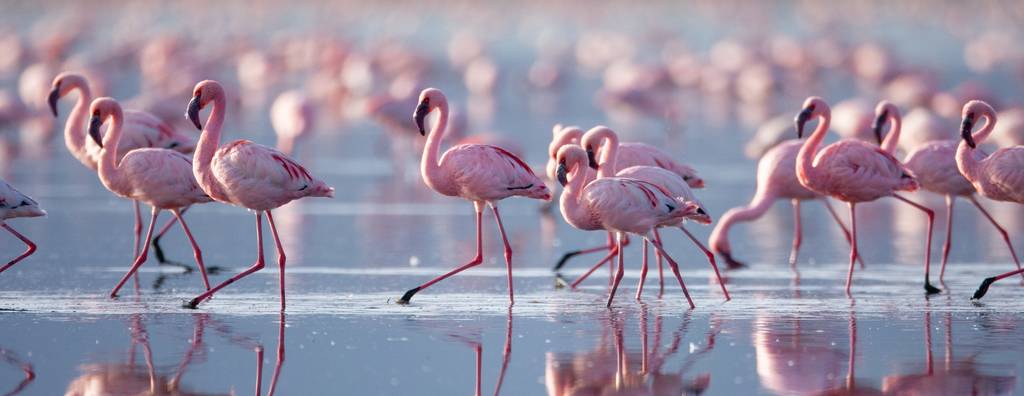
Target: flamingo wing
x=247 y=162
x=1007 y=171
x=488 y=172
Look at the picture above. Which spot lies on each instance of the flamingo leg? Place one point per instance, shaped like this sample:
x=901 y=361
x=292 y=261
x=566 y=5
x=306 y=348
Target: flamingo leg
x=195 y=247
x=928 y=243
x=259 y=369
x=948 y=243
x=846 y=232
x=28 y=252
x=137 y=230
x=479 y=258
x=280 y=255
x=1006 y=237
x=159 y=251
x=508 y=253
x=141 y=258
x=711 y=260
x=675 y=269
x=255 y=267
x=853 y=246
x=570 y=254
x=618 y=274
x=643 y=273
x=661 y=271
x=798 y=233
x=607 y=258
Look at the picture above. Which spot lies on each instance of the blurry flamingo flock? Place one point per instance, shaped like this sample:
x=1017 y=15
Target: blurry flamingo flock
x=903 y=127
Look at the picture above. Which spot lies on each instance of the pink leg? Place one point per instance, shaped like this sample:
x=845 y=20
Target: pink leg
x=928 y=244
x=157 y=250
x=846 y=232
x=28 y=252
x=675 y=269
x=508 y=253
x=618 y=274
x=853 y=246
x=661 y=271
x=643 y=273
x=797 y=232
x=607 y=258
x=476 y=260
x=141 y=257
x=255 y=267
x=195 y=247
x=1006 y=237
x=568 y=255
x=137 y=229
x=949 y=235
x=711 y=260
x=280 y=255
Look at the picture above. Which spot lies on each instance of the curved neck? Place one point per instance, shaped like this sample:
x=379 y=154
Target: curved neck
x=965 y=159
x=210 y=137
x=429 y=163
x=805 y=158
x=982 y=134
x=562 y=139
x=760 y=204
x=569 y=203
x=74 y=128
x=609 y=154
x=893 y=137
x=108 y=161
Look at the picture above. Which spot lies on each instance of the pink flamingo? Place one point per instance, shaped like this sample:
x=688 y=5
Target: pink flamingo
x=776 y=179
x=161 y=178
x=243 y=173
x=608 y=142
x=292 y=115
x=620 y=205
x=479 y=173
x=140 y=130
x=14 y=204
x=853 y=171
x=934 y=165
x=996 y=176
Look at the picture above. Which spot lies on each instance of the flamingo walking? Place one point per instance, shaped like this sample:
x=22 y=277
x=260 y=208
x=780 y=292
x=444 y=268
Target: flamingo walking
x=618 y=204
x=245 y=174
x=997 y=176
x=479 y=173
x=933 y=163
x=161 y=178
x=292 y=115
x=853 y=171
x=140 y=130
x=14 y=204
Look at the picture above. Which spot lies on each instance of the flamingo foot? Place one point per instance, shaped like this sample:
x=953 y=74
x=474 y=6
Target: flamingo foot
x=929 y=289
x=407 y=296
x=560 y=281
x=983 y=288
x=192 y=304
x=731 y=263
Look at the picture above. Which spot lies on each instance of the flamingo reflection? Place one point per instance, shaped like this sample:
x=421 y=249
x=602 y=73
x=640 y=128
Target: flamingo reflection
x=13 y=359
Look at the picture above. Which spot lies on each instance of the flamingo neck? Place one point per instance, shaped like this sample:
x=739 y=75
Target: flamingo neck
x=965 y=159
x=893 y=138
x=74 y=128
x=563 y=139
x=571 y=201
x=719 y=239
x=984 y=131
x=608 y=163
x=805 y=158
x=108 y=164
x=429 y=163
x=209 y=140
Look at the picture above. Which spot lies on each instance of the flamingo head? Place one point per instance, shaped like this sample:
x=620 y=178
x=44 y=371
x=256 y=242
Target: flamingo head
x=202 y=95
x=430 y=99
x=62 y=85
x=971 y=112
x=813 y=107
x=700 y=215
x=883 y=112
x=596 y=138
x=569 y=157
x=101 y=110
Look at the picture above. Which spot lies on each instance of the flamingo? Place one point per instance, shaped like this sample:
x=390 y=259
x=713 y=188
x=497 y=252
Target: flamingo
x=14 y=204
x=853 y=171
x=608 y=142
x=776 y=179
x=479 y=173
x=934 y=165
x=292 y=115
x=140 y=130
x=997 y=176
x=618 y=204
x=161 y=178
x=245 y=174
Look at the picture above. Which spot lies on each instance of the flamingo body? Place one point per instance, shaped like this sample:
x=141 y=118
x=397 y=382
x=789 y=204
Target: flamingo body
x=856 y=171
x=253 y=176
x=14 y=203
x=479 y=172
x=934 y=166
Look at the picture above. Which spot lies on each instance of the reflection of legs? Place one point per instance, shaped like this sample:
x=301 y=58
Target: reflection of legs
x=255 y=267
x=506 y=355
x=195 y=247
x=28 y=252
x=928 y=243
x=141 y=258
x=675 y=269
x=280 y=255
x=839 y=222
x=711 y=260
x=280 y=355
x=618 y=273
x=1006 y=237
x=478 y=206
x=479 y=366
x=797 y=232
x=508 y=253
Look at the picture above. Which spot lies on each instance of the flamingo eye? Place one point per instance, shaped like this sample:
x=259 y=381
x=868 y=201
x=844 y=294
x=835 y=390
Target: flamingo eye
x=701 y=211
x=687 y=178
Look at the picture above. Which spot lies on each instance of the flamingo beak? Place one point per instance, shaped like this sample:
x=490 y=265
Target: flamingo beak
x=53 y=98
x=591 y=158
x=801 y=120
x=420 y=115
x=94 y=129
x=878 y=125
x=192 y=113
x=563 y=174
x=965 y=130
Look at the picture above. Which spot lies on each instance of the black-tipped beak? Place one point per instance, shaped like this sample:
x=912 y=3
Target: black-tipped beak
x=591 y=158
x=192 y=113
x=53 y=98
x=801 y=120
x=878 y=125
x=966 y=128
x=563 y=174
x=94 y=129
x=420 y=115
